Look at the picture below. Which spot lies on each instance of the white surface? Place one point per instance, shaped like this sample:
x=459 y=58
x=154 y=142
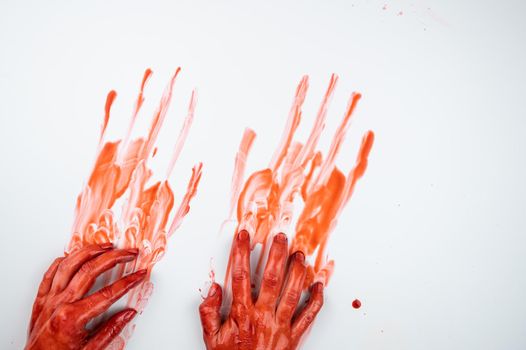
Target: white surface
x=432 y=242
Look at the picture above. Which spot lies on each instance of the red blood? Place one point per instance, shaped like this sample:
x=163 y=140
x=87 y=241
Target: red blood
x=356 y=304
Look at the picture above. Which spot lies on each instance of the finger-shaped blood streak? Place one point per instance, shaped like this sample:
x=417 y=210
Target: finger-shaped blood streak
x=147 y=217
x=297 y=170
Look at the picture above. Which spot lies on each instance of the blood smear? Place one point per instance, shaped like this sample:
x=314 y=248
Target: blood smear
x=264 y=202
x=147 y=217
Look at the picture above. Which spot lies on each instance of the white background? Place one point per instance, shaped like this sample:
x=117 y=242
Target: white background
x=433 y=242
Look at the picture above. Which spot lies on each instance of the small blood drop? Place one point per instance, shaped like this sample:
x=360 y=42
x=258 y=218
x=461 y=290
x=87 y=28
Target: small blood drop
x=356 y=304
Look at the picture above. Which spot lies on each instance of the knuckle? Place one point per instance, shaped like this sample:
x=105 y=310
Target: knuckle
x=68 y=294
x=205 y=311
x=63 y=267
x=309 y=317
x=260 y=322
x=114 y=330
x=270 y=279
x=107 y=292
x=244 y=342
x=317 y=304
x=89 y=303
x=291 y=298
x=61 y=316
x=87 y=267
x=239 y=275
x=239 y=310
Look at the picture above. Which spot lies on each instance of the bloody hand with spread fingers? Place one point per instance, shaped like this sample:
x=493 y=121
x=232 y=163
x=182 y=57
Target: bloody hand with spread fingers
x=267 y=322
x=61 y=309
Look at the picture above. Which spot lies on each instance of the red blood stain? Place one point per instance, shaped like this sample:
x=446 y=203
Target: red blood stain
x=356 y=304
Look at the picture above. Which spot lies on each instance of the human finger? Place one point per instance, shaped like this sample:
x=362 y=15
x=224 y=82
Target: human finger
x=308 y=314
x=110 y=330
x=241 y=269
x=43 y=290
x=209 y=310
x=293 y=288
x=72 y=263
x=91 y=269
x=98 y=302
x=274 y=273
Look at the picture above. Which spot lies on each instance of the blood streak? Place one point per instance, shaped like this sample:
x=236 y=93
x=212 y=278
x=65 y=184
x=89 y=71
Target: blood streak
x=299 y=171
x=147 y=217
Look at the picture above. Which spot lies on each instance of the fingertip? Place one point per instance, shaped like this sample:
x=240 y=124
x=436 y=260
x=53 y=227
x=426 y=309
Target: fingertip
x=317 y=288
x=243 y=235
x=280 y=238
x=125 y=255
x=299 y=256
x=132 y=251
x=137 y=277
x=214 y=290
x=129 y=315
x=106 y=246
x=141 y=273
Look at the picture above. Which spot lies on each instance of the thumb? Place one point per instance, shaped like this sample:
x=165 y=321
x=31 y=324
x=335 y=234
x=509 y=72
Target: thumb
x=209 y=310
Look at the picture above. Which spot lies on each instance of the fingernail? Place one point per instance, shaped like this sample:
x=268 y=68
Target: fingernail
x=133 y=251
x=280 y=237
x=299 y=256
x=130 y=315
x=243 y=235
x=105 y=246
x=213 y=290
x=317 y=287
x=141 y=273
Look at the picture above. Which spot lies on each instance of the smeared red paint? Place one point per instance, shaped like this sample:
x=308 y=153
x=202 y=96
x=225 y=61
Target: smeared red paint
x=356 y=304
x=146 y=218
x=299 y=171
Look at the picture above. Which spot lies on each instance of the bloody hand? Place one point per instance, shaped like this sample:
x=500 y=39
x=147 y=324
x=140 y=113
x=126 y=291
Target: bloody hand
x=268 y=322
x=61 y=312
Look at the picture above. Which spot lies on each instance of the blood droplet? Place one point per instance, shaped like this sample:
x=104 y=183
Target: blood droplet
x=356 y=304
